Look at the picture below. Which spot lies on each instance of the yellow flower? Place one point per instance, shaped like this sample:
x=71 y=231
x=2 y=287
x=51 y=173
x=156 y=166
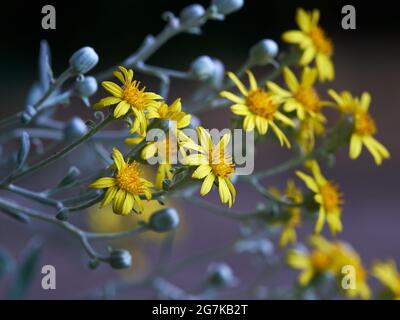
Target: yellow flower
x=327 y=196
x=129 y=97
x=288 y=234
x=329 y=258
x=258 y=107
x=308 y=129
x=301 y=97
x=387 y=274
x=318 y=261
x=166 y=150
x=364 y=127
x=345 y=101
x=214 y=164
x=173 y=112
x=314 y=43
x=125 y=188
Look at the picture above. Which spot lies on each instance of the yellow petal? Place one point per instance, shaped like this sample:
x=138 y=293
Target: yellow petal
x=308 y=77
x=261 y=125
x=238 y=83
x=321 y=220
x=207 y=184
x=102 y=183
x=355 y=146
x=121 y=109
x=335 y=96
x=249 y=123
x=113 y=88
x=308 y=180
x=223 y=190
x=195 y=160
x=307 y=56
x=325 y=67
x=278 y=90
x=202 y=171
x=119 y=201
x=109 y=195
x=118 y=159
x=233 y=97
x=105 y=102
x=149 y=151
x=303 y=20
x=290 y=79
x=252 y=80
x=205 y=138
x=365 y=101
x=127 y=204
x=240 y=109
x=296 y=36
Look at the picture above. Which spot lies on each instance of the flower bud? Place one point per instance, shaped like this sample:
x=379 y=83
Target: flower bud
x=228 y=6
x=86 y=86
x=75 y=129
x=63 y=214
x=120 y=259
x=219 y=73
x=164 y=220
x=192 y=13
x=263 y=51
x=221 y=275
x=202 y=68
x=83 y=60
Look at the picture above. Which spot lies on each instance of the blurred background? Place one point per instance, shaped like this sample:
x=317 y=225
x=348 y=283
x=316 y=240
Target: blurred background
x=365 y=59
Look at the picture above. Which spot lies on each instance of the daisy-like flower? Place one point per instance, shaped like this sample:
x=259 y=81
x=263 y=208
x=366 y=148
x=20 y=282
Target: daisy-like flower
x=364 y=127
x=326 y=195
x=167 y=153
x=259 y=108
x=214 y=165
x=329 y=258
x=312 y=263
x=129 y=98
x=387 y=273
x=288 y=234
x=307 y=131
x=125 y=188
x=314 y=43
x=302 y=96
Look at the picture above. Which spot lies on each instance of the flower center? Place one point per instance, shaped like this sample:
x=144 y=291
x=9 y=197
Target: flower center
x=322 y=43
x=364 y=124
x=319 y=260
x=309 y=98
x=260 y=103
x=330 y=196
x=134 y=96
x=129 y=179
x=221 y=163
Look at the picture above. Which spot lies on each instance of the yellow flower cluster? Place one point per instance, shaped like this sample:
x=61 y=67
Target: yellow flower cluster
x=127 y=188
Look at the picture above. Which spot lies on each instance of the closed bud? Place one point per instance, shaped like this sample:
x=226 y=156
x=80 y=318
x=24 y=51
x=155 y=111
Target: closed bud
x=86 y=86
x=221 y=275
x=83 y=60
x=192 y=13
x=63 y=214
x=164 y=220
x=120 y=259
x=228 y=6
x=202 y=68
x=263 y=51
x=75 y=129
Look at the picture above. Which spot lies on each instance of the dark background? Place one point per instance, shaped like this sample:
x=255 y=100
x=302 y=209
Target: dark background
x=365 y=59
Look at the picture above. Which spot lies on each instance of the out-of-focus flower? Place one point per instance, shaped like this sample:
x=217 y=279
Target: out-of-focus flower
x=386 y=272
x=120 y=259
x=292 y=192
x=214 y=165
x=75 y=129
x=312 y=39
x=258 y=107
x=86 y=87
x=307 y=130
x=125 y=188
x=326 y=195
x=301 y=97
x=364 y=127
x=128 y=98
x=329 y=258
x=166 y=150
